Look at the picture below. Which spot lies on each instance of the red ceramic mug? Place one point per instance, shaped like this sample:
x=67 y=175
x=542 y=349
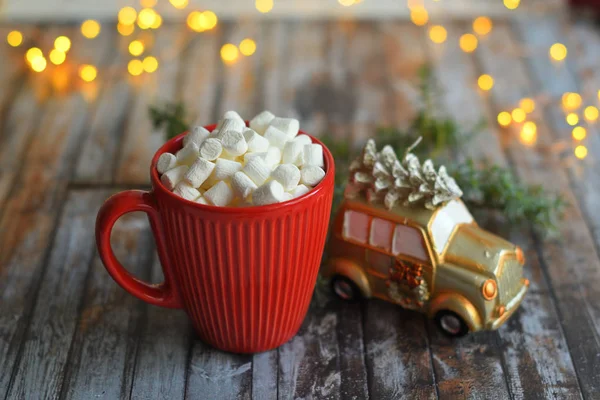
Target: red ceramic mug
x=245 y=276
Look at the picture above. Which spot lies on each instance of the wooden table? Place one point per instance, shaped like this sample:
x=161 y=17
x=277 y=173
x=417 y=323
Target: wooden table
x=68 y=331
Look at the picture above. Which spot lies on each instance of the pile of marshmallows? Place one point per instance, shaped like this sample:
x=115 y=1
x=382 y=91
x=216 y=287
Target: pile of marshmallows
x=238 y=166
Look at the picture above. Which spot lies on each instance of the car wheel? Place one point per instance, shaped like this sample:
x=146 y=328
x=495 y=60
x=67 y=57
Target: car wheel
x=451 y=324
x=344 y=288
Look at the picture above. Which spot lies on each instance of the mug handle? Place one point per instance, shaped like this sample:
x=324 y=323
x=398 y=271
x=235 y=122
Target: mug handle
x=163 y=294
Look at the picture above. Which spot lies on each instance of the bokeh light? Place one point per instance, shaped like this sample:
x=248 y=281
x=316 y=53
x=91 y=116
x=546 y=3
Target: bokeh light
x=38 y=64
x=419 y=15
x=14 y=38
x=504 y=118
x=511 y=4
x=468 y=42
x=527 y=104
x=571 y=101
x=195 y=21
x=135 y=67
x=346 y=3
x=150 y=64
x=127 y=16
x=62 y=43
x=264 y=6
x=518 y=115
x=125 y=30
x=482 y=25
x=57 y=56
x=247 y=47
x=90 y=28
x=558 y=51
x=32 y=54
x=157 y=22
x=581 y=152
x=579 y=133
x=590 y=113
x=572 y=119
x=146 y=18
x=136 y=48
x=210 y=19
x=229 y=53
x=179 y=4
x=485 y=82
x=148 y=3
x=528 y=134
x=88 y=72
x=438 y=34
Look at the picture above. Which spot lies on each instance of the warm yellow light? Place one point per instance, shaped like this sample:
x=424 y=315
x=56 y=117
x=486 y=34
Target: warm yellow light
x=590 y=113
x=264 y=6
x=247 y=47
x=32 y=54
x=195 y=20
x=127 y=16
x=511 y=4
x=125 y=30
x=572 y=119
x=558 y=51
x=346 y=3
x=135 y=67
x=88 y=72
x=528 y=134
x=419 y=15
x=209 y=19
x=136 y=48
x=504 y=118
x=414 y=3
x=146 y=18
x=527 y=104
x=180 y=4
x=518 y=115
x=150 y=64
x=468 y=42
x=90 y=28
x=57 y=57
x=482 y=25
x=157 y=22
x=438 y=34
x=148 y=3
x=581 y=152
x=14 y=38
x=485 y=82
x=38 y=64
x=579 y=133
x=571 y=101
x=229 y=53
x=62 y=43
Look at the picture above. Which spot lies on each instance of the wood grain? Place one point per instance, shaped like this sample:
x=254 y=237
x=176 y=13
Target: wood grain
x=31 y=212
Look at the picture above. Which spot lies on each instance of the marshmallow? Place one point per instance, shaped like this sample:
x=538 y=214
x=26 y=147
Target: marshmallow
x=261 y=121
x=229 y=124
x=286 y=196
x=165 y=162
x=220 y=194
x=293 y=152
x=242 y=184
x=224 y=169
x=211 y=149
x=313 y=155
x=256 y=143
x=303 y=139
x=185 y=190
x=257 y=170
x=173 y=176
x=289 y=126
x=288 y=175
x=196 y=135
x=273 y=156
x=202 y=200
x=188 y=154
x=269 y=193
x=233 y=115
x=199 y=172
x=234 y=143
x=299 y=190
x=312 y=174
x=276 y=137
x=249 y=156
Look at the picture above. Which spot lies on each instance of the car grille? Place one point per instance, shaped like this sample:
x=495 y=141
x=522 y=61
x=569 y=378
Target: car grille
x=509 y=282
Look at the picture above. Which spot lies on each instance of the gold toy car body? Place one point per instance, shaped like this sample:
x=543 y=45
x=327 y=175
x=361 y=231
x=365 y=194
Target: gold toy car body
x=435 y=261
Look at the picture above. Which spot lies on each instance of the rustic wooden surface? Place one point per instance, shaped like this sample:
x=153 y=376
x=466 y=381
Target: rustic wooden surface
x=68 y=331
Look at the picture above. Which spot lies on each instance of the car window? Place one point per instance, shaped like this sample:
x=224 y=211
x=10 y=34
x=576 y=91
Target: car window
x=446 y=220
x=409 y=241
x=356 y=226
x=381 y=234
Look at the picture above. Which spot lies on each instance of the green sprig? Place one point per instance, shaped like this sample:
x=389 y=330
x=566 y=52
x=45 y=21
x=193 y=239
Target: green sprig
x=171 y=117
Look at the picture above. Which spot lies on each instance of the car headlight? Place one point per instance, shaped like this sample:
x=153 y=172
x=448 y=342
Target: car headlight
x=489 y=289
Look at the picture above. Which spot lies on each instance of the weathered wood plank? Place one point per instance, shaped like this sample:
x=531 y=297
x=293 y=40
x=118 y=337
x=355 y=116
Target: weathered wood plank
x=140 y=140
x=27 y=225
x=42 y=365
x=536 y=354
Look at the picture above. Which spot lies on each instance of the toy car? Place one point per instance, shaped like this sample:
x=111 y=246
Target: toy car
x=437 y=261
